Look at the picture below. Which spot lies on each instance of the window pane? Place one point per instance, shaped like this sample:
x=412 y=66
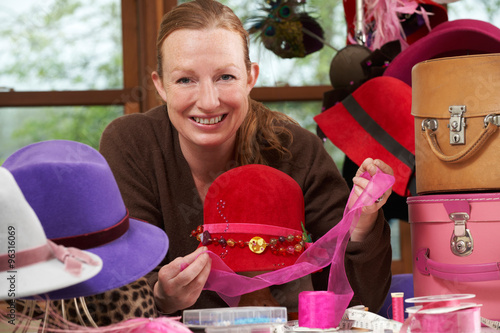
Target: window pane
x=395 y=239
x=303 y=113
x=483 y=10
x=22 y=126
x=60 y=45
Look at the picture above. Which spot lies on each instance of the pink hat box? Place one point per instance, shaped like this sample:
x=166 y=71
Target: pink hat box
x=456 y=247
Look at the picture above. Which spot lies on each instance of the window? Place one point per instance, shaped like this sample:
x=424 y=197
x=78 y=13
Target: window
x=61 y=71
x=72 y=66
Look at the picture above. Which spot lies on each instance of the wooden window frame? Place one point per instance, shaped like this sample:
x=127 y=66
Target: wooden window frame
x=140 y=22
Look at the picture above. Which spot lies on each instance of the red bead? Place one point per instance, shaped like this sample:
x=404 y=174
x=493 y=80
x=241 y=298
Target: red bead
x=241 y=243
x=283 y=251
x=298 y=238
x=194 y=233
x=199 y=229
x=215 y=240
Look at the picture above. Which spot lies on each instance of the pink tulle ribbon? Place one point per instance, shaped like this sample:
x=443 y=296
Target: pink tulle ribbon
x=316 y=309
x=463 y=320
x=328 y=250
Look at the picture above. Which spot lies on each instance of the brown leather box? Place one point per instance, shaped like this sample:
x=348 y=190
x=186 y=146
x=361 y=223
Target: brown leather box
x=456 y=107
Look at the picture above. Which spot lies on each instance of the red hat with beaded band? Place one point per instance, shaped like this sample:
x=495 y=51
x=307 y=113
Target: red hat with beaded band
x=253 y=219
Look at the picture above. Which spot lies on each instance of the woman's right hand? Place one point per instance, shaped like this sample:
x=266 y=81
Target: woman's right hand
x=181 y=281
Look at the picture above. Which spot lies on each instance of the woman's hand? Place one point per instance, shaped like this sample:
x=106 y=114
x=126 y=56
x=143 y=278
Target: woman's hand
x=369 y=214
x=180 y=282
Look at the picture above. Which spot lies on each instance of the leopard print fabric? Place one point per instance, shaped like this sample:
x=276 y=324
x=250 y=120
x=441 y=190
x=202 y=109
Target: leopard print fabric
x=130 y=301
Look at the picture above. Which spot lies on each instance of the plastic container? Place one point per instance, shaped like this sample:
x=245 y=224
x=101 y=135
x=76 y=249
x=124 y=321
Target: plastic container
x=225 y=317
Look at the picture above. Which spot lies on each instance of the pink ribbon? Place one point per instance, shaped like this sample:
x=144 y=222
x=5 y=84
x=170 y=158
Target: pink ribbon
x=317 y=309
x=328 y=250
x=24 y=258
x=249 y=228
x=72 y=258
x=463 y=320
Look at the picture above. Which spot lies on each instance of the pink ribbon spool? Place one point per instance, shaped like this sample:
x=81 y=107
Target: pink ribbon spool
x=461 y=321
x=317 y=309
x=443 y=314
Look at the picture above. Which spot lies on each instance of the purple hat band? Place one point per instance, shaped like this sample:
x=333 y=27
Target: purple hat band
x=451 y=38
x=73 y=191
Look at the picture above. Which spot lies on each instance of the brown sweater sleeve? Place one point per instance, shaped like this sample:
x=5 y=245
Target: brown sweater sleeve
x=130 y=161
x=367 y=263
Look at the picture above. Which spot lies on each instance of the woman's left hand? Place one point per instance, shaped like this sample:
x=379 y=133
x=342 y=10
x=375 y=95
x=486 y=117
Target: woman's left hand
x=369 y=214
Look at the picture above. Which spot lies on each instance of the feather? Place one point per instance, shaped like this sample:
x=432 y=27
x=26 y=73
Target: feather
x=286 y=30
x=387 y=20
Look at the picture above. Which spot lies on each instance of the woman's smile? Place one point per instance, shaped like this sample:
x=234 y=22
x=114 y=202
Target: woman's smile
x=208 y=121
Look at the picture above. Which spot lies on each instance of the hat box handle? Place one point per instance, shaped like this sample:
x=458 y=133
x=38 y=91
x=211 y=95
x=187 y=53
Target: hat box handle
x=430 y=136
x=457 y=273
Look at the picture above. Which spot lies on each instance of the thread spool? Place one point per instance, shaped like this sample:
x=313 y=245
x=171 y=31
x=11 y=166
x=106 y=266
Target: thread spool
x=317 y=309
x=398 y=307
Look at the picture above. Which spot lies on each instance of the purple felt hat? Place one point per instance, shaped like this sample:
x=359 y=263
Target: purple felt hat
x=448 y=39
x=72 y=190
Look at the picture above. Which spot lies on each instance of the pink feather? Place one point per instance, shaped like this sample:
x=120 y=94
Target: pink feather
x=381 y=17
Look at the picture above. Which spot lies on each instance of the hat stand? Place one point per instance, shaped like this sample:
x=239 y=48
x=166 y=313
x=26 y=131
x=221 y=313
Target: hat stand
x=359 y=34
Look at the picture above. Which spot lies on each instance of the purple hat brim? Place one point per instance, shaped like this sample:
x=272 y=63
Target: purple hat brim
x=124 y=260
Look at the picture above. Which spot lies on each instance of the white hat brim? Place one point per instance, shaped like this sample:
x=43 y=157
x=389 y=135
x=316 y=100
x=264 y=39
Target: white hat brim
x=43 y=277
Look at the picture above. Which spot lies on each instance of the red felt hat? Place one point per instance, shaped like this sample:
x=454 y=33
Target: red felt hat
x=253 y=218
x=375 y=121
x=452 y=38
x=414 y=27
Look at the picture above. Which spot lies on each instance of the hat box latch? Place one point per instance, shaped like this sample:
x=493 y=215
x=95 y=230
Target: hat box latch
x=461 y=242
x=457 y=125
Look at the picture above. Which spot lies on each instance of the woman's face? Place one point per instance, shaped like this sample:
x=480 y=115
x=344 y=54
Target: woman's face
x=205 y=85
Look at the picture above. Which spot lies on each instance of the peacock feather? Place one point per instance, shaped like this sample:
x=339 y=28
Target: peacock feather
x=287 y=30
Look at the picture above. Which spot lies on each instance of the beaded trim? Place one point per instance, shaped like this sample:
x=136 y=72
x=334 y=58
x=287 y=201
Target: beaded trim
x=282 y=245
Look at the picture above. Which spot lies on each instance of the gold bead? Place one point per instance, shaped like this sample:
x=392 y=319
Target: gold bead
x=298 y=248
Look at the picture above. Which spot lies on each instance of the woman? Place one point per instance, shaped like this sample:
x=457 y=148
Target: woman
x=164 y=160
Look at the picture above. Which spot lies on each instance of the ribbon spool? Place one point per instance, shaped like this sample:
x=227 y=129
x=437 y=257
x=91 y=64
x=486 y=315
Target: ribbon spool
x=443 y=314
x=317 y=309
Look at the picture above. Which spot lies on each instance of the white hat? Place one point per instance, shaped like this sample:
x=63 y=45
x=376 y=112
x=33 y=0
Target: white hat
x=30 y=264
